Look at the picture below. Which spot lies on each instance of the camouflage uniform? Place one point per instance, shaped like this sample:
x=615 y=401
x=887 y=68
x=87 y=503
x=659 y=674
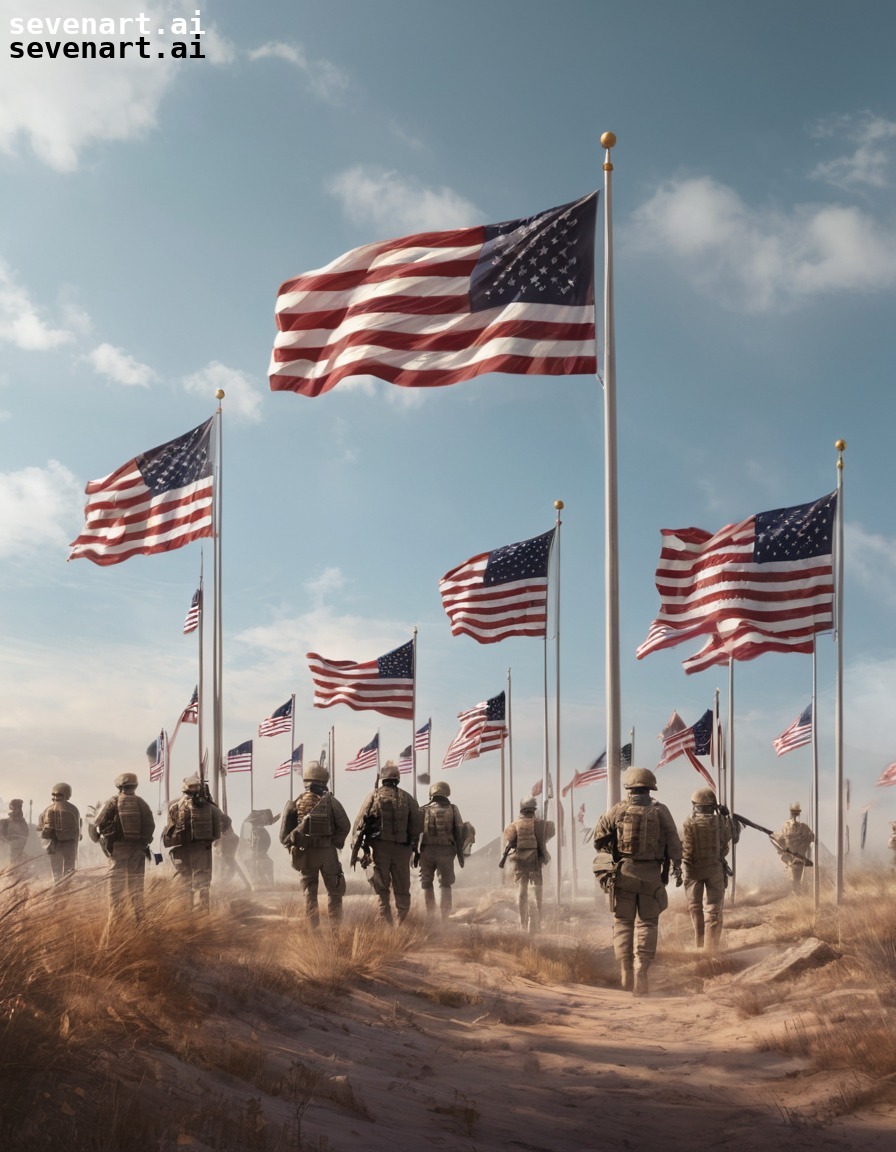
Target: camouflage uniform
x=14 y=832
x=526 y=835
x=194 y=824
x=60 y=826
x=314 y=827
x=441 y=843
x=400 y=823
x=795 y=837
x=255 y=834
x=706 y=838
x=891 y=843
x=125 y=825
x=643 y=835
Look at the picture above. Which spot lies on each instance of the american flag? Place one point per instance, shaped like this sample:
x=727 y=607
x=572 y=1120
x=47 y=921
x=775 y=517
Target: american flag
x=239 y=759
x=438 y=307
x=502 y=593
x=278 y=722
x=384 y=685
x=293 y=764
x=156 y=502
x=887 y=778
x=422 y=736
x=538 y=787
x=191 y=623
x=796 y=734
x=680 y=740
x=481 y=730
x=367 y=757
x=159 y=749
x=596 y=770
x=190 y=714
x=406 y=761
x=763 y=585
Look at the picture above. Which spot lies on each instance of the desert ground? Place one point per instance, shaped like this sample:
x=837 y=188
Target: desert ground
x=243 y=1030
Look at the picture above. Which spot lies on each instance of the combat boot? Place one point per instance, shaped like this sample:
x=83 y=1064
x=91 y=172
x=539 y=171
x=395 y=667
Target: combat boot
x=627 y=976
x=445 y=903
x=641 y=988
x=697 y=921
x=429 y=899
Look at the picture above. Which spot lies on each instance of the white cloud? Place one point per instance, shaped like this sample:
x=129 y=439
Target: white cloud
x=326 y=80
x=242 y=398
x=118 y=366
x=21 y=321
x=758 y=260
x=61 y=107
x=870 y=559
x=388 y=203
x=38 y=507
x=870 y=163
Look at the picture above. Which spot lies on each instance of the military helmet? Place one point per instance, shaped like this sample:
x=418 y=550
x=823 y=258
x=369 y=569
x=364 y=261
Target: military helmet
x=440 y=788
x=390 y=771
x=63 y=790
x=17 y=804
x=639 y=778
x=528 y=804
x=192 y=784
x=795 y=808
x=704 y=796
x=126 y=779
x=314 y=771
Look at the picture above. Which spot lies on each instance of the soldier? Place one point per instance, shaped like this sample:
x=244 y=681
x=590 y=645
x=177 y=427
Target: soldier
x=795 y=837
x=641 y=835
x=314 y=827
x=124 y=827
x=526 y=838
x=891 y=842
x=706 y=838
x=14 y=832
x=255 y=834
x=443 y=839
x=60 y=826
x=194 y=824
x=226 y=849
x=398 y=821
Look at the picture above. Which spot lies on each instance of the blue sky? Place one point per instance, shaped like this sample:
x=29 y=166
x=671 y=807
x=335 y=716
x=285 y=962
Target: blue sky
x=153 y=207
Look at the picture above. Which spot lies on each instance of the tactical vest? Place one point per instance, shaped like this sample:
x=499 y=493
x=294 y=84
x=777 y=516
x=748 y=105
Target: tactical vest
x=394 y=811
x=198 y=820
x=62 y=819
x=438 y=827
x=639 y=834
x=321 y=825
x=797 y=836
x=702 y=840
x=526 y=840
x=130 y=818
x=15 y=828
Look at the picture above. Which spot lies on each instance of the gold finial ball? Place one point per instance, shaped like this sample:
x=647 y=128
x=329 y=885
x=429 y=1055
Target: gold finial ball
x=558 y=504
x=839 y=445
x=608 y=140
x=219 y=395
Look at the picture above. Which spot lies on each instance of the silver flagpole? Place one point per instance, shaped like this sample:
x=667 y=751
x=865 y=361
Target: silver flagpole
x=546 y=765
x=331 y=752
x=292 y=745
x=558 y=505
x=217 y=663
x=840 y=445
x=731 y=770
x=714 y=745
x=509 y=750
x=199 y=724
x=611 y=496
x=816 y=882
x=414 y=722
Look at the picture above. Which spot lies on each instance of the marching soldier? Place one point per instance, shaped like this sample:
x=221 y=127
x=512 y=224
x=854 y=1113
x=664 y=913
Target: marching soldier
x=124 y=827
x=14 y=832
x=194 y=824
x=526 y=838
x=442 y=841
x=314 y=827
x=795 y=837
x=706 y=837
x=399 y=823
x=60 y=826
x=641 y=834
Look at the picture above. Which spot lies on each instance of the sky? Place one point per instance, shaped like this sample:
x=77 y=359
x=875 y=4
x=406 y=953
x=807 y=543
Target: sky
x=154 y=206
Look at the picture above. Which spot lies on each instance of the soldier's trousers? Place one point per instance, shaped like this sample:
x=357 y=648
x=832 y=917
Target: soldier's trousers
x=63 y=859
x=796 y=874
x=529 y=917
x=127 y=869
x=705 y=890
x=193 y=868
x=437 y=861
x=638 y=899
x=391 y=871
x=317 y=864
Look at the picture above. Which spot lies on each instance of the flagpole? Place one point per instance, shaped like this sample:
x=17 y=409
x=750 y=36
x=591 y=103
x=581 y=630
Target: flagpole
x=331 y=752
x=715 y=746
x=816 y=882
x=292 y=744
x=217 y=694
x=201 y=621
x=840 y=445
x=414 y=722
x=611 y=497
x=558 y=505
x=509 y=751
x=631 y=736
x=730 y=770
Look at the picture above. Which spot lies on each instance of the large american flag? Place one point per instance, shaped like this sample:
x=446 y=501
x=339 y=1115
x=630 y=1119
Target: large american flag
x=191 y=623
x=481 y=730
x=502 y=593
x=239 y=759
x=367 y=757
x=680 y=740
x=596 y=770
x=438 y=307
x=763 y=585
x=160 y=500
x=190 y=714
x=278 y=722
x=795 y=735
x=294 y=764
x=422 y=736
x=384 y=685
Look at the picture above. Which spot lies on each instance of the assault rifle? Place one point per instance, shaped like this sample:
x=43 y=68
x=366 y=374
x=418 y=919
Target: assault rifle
x=368 y=831
x=507 y=852
x=774 y=839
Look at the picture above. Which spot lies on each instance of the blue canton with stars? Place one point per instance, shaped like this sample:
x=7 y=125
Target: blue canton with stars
x=494 y=708
x=397 y=664
x=521 y=561
x=797 y=533
x=703 y=734
x=179 y=462
x=543 y=259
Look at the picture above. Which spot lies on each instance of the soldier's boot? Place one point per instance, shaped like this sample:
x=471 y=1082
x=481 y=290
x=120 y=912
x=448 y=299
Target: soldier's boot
x=445 y=903
x=534 y=920
x=627 y=975
x=697 y=921
x=429 y=898
x=524 y=910
x=641 y=987
x=713 y=937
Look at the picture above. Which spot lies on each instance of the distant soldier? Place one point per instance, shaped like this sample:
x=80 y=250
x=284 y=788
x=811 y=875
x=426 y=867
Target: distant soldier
x=255 y=836
x=194 y=824
x=314 y=828
x=124 y=828
x=891 y=843
x=59 y=826
x=226 y=849
x=641 y=835
x=795 y=837
x=442 y=842
x=14 y=832
x=526 y=838
x=398 y=822
x=706 y=838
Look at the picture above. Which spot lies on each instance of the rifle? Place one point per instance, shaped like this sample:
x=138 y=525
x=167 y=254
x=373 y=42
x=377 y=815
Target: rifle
x=367 y=832
x=507 y=852
x=774 y=839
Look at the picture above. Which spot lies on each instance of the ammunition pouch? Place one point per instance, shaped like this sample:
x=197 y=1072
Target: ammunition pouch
x=297 y=857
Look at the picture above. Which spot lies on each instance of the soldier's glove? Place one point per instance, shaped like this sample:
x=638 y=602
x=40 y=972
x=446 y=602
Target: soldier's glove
x=676 y=872
x=723 y=811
